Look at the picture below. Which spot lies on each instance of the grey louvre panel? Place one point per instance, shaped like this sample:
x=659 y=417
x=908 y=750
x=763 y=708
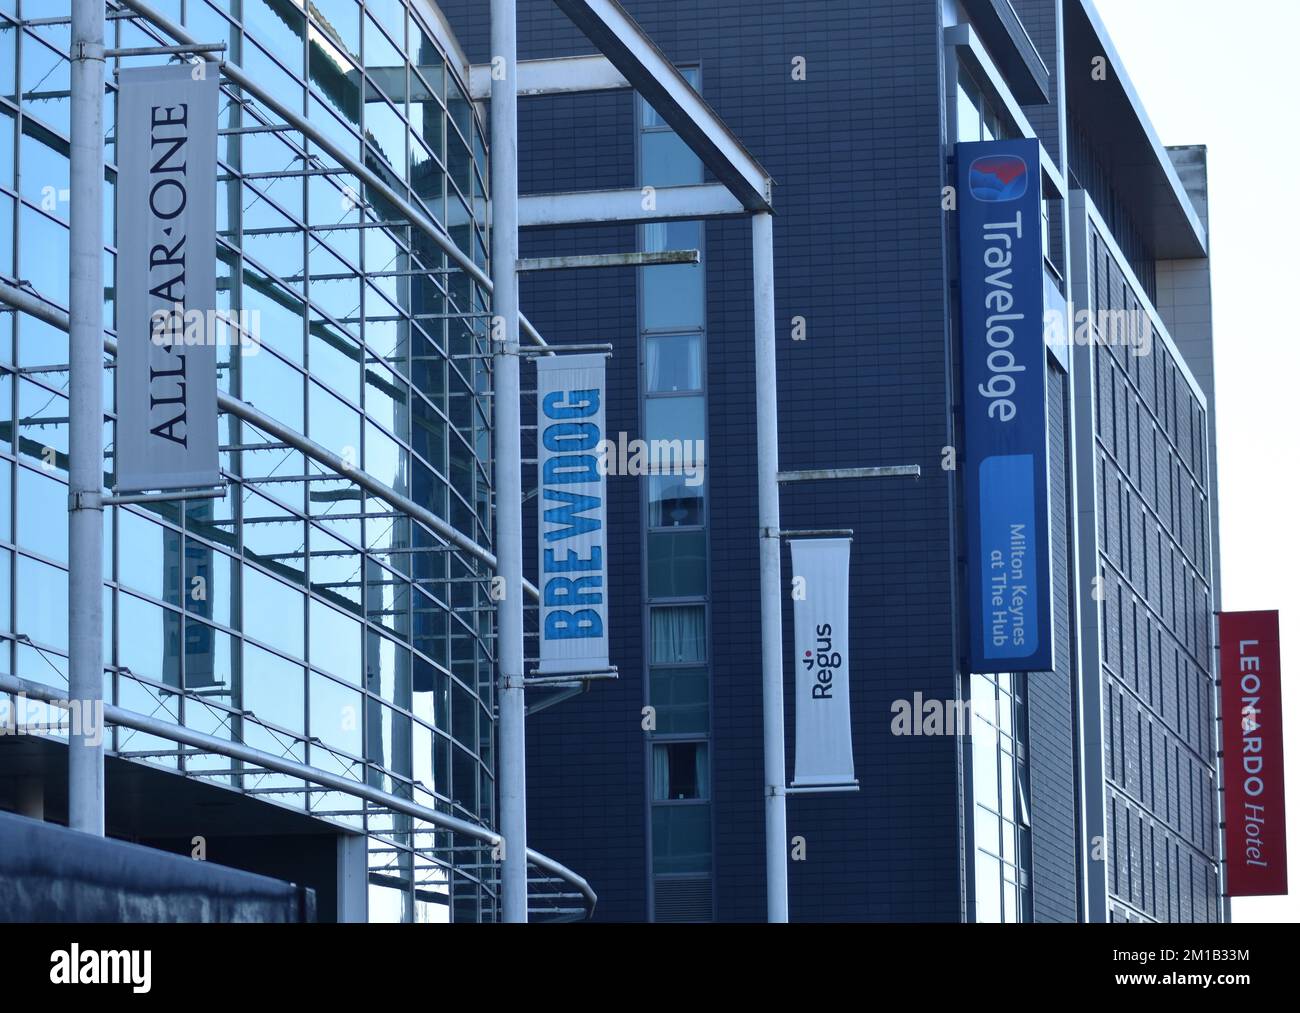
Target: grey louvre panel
x=683 y=900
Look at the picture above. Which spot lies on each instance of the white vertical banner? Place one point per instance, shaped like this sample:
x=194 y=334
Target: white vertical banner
x=823 y=753
x=166 y=278
x=573 y=628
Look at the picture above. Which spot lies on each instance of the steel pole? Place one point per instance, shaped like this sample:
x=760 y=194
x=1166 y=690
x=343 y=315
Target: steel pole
x=769 y=562
x=86 y=416
x=509 y=483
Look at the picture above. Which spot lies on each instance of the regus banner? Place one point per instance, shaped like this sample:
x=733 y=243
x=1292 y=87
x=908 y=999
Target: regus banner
x=573 y=628
x=1008 y=530
x=166 y=275
x=823 y=747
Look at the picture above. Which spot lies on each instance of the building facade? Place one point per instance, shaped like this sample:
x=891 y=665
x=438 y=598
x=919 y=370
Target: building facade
x=1089 y=792
x=308 y=612
x=334 y=608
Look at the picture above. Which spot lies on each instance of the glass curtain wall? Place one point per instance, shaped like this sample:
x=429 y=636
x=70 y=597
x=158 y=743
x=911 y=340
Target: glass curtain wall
x=1000 y=782
x=297 y=614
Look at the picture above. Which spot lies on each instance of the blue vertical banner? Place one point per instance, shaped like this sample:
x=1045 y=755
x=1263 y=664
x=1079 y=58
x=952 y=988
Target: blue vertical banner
x=573 y=630
x=1004 y=397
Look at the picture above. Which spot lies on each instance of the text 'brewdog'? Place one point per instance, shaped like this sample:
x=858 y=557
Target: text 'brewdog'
x=571 y=514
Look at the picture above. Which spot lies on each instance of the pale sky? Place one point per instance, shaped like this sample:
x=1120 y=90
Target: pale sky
x=1224 y=76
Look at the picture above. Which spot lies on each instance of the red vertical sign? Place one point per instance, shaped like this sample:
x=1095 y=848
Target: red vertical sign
x=1254 y=808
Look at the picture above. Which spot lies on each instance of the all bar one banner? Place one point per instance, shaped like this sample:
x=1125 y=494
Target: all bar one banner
x=166 y=435
x=1254 y=795
x=572 y=627
x=823 y=745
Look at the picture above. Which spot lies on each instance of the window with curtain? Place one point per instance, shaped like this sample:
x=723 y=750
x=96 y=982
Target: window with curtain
x=672 y=363
x=677 y=634
x=681 y=771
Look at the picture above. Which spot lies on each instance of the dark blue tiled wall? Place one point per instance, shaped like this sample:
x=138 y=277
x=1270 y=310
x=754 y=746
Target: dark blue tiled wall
x=856 y=151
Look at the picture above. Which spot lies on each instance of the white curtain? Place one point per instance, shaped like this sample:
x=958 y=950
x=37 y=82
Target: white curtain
x=673 y=363
x=702 y=770
x=655 y=237
x=677 y=634
x=661 y=772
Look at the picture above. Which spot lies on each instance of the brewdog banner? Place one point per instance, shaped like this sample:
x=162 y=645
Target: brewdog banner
x=166 y=279
x=572 y=628
x=823 y=753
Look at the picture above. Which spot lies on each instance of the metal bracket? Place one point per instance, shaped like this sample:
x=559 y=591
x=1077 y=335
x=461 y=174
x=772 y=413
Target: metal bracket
x=532 y=350
x=85 y=500
x=640 y=259
x=818 y=533
x=212 y=492
x=819 y=474
x=196 y=49
x=536 y=678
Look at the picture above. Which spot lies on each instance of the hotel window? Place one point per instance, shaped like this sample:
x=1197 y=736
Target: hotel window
x=1000 y=787
x=980 y=117
x=674 y=424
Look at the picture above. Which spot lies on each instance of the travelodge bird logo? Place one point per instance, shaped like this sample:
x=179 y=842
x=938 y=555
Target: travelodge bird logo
x=997 y=178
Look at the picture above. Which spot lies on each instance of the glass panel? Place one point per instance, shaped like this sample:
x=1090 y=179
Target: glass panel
x=209 y=660
x=211 y=583
x=341 y=21
x=273 y=688
x=335 y=714
x=666 y=160
x=672 y=363
x=984 y=764
x=680 y=697
x=682 y=838
x=680 y=770
x=650 y=118
x=42 y=608
x=988 y=888
x=335 y=642
x=677 y=634
x=675 y=418
x=273 y=612
x=40 y=499
x=968 y=107
x=676 y=564
x=675 y=501
x=149 y=557
x=672 y=295
x=149 y=640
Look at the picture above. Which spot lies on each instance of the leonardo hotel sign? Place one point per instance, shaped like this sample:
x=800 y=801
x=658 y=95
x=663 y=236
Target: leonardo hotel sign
x=1254 y=808
x=1004 y=393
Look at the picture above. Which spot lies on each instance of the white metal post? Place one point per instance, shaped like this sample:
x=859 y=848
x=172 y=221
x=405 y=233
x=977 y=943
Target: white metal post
x=769 y=562
x=509 y=482
x=86 y=419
